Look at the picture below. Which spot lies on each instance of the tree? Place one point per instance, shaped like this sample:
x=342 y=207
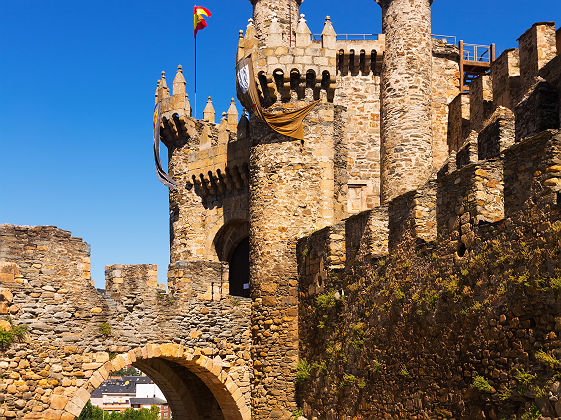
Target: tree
x=91 y=412
x=128 y=371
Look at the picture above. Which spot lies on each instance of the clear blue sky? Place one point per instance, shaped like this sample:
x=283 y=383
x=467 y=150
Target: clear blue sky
x=77 y=83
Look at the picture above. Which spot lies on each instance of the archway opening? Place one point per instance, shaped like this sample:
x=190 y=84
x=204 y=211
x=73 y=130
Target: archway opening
x=239 y=269
x=232 y=246
x=152 y=389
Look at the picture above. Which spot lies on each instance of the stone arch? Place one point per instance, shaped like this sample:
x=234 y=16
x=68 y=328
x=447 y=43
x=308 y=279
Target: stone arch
x=155 y=359
x=220 y=223
x=229 y=236
x=232 y=245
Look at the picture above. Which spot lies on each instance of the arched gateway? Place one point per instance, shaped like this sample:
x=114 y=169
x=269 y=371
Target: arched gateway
x=191 y=382
x=193 y=341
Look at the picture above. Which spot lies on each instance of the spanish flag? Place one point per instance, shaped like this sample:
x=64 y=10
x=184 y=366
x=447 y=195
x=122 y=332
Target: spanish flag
x=200 y=13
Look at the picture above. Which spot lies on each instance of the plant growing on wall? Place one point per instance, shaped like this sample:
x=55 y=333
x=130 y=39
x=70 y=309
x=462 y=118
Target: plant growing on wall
x=105 y=329
x=10 y=333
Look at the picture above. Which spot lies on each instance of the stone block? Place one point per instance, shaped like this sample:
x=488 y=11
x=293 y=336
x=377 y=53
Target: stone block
x=505 y=75
x=481 y=101
x=497 y=135
x=537 y=47
x=458 y=121
x=537 y=111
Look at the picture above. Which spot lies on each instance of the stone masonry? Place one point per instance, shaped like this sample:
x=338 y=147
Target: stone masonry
x=406 y=96
x=446 y=303
x=402 y=259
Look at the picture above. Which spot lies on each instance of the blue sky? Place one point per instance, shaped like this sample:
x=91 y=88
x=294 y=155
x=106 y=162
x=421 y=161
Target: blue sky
x=77 y=83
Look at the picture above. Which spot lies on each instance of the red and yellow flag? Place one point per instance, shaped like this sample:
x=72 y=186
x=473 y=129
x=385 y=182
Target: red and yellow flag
x=200 y=13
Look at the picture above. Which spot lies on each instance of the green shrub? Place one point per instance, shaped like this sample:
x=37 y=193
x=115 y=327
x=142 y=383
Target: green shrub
x=524 y=378
x=375 y=367
x=480 y=383
x=403 y=371
x=297 y=413
x=303 y=371
x=349 y=379
x=326 y=301
x=533 y=413
x=105 y=329
x=505 y=394
x=547 y=359
x=15 y=333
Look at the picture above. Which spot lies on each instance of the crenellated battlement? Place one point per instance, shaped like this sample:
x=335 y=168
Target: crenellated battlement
x=348 y=245
x=519 y=98
x=282 y=68
x=504 y=155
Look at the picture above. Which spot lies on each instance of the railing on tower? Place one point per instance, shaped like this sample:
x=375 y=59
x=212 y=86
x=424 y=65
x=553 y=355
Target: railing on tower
x=475 y=60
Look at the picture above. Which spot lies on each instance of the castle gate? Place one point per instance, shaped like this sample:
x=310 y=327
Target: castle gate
x=193 y=341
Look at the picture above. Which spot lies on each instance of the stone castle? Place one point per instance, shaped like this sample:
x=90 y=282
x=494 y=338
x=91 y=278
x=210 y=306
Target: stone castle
x=402 y=261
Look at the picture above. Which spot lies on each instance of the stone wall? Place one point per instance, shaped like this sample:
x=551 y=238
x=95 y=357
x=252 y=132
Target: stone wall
x=432 y=330
x=360 y=94
x=459 y=318
x=74 y=329
x=445 y=87
x=286 y=13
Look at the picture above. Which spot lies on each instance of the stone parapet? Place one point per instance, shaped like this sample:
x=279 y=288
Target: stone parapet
x=481 y=101
x=77 y=335
x=198 y=280
x=412 y=217
x=122 y=280
x=366 y=234
x=320 y=257
x=360 y=56
x=505 y=78
x=498 y=134
x=537 y=46
x=468 y=197
x=458 y=121
x=532 y=175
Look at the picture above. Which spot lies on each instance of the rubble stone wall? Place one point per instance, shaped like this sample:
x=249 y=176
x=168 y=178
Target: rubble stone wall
x=73 y=329
x=291 y=194
x=430 y=330
x=460 y=318
x=406 y=96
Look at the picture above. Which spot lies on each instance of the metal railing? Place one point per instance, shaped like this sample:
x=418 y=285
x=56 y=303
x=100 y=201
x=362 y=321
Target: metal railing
x=350 y=37
x=450 y=39
x=475 y=52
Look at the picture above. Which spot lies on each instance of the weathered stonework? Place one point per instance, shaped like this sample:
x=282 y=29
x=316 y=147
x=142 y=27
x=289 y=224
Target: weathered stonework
x=406 y=96
x=74 y=330
x=459 y=316
x=402 y=259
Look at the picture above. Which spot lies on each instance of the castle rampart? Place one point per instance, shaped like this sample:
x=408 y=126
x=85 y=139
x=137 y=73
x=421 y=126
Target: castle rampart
x=402 y=259
x=455 y=303
x=74 y=330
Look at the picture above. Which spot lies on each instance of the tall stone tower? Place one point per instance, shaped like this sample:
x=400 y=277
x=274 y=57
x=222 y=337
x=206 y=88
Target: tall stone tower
x=291 y=190
x=285 y=11
x=406 y=121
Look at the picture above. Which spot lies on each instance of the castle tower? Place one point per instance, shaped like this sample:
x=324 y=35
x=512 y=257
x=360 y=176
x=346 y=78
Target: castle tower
x=406 y=153
x=291 y=192
x=286 y=11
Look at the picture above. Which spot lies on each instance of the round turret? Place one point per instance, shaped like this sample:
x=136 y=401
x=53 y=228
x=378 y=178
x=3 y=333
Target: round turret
x=286 y=12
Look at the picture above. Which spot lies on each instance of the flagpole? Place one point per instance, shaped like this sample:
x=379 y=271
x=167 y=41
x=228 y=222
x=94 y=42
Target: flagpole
x=195 y=76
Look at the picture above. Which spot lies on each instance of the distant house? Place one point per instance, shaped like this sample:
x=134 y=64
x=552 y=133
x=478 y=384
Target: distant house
x=121 y=393
x=148 y=403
